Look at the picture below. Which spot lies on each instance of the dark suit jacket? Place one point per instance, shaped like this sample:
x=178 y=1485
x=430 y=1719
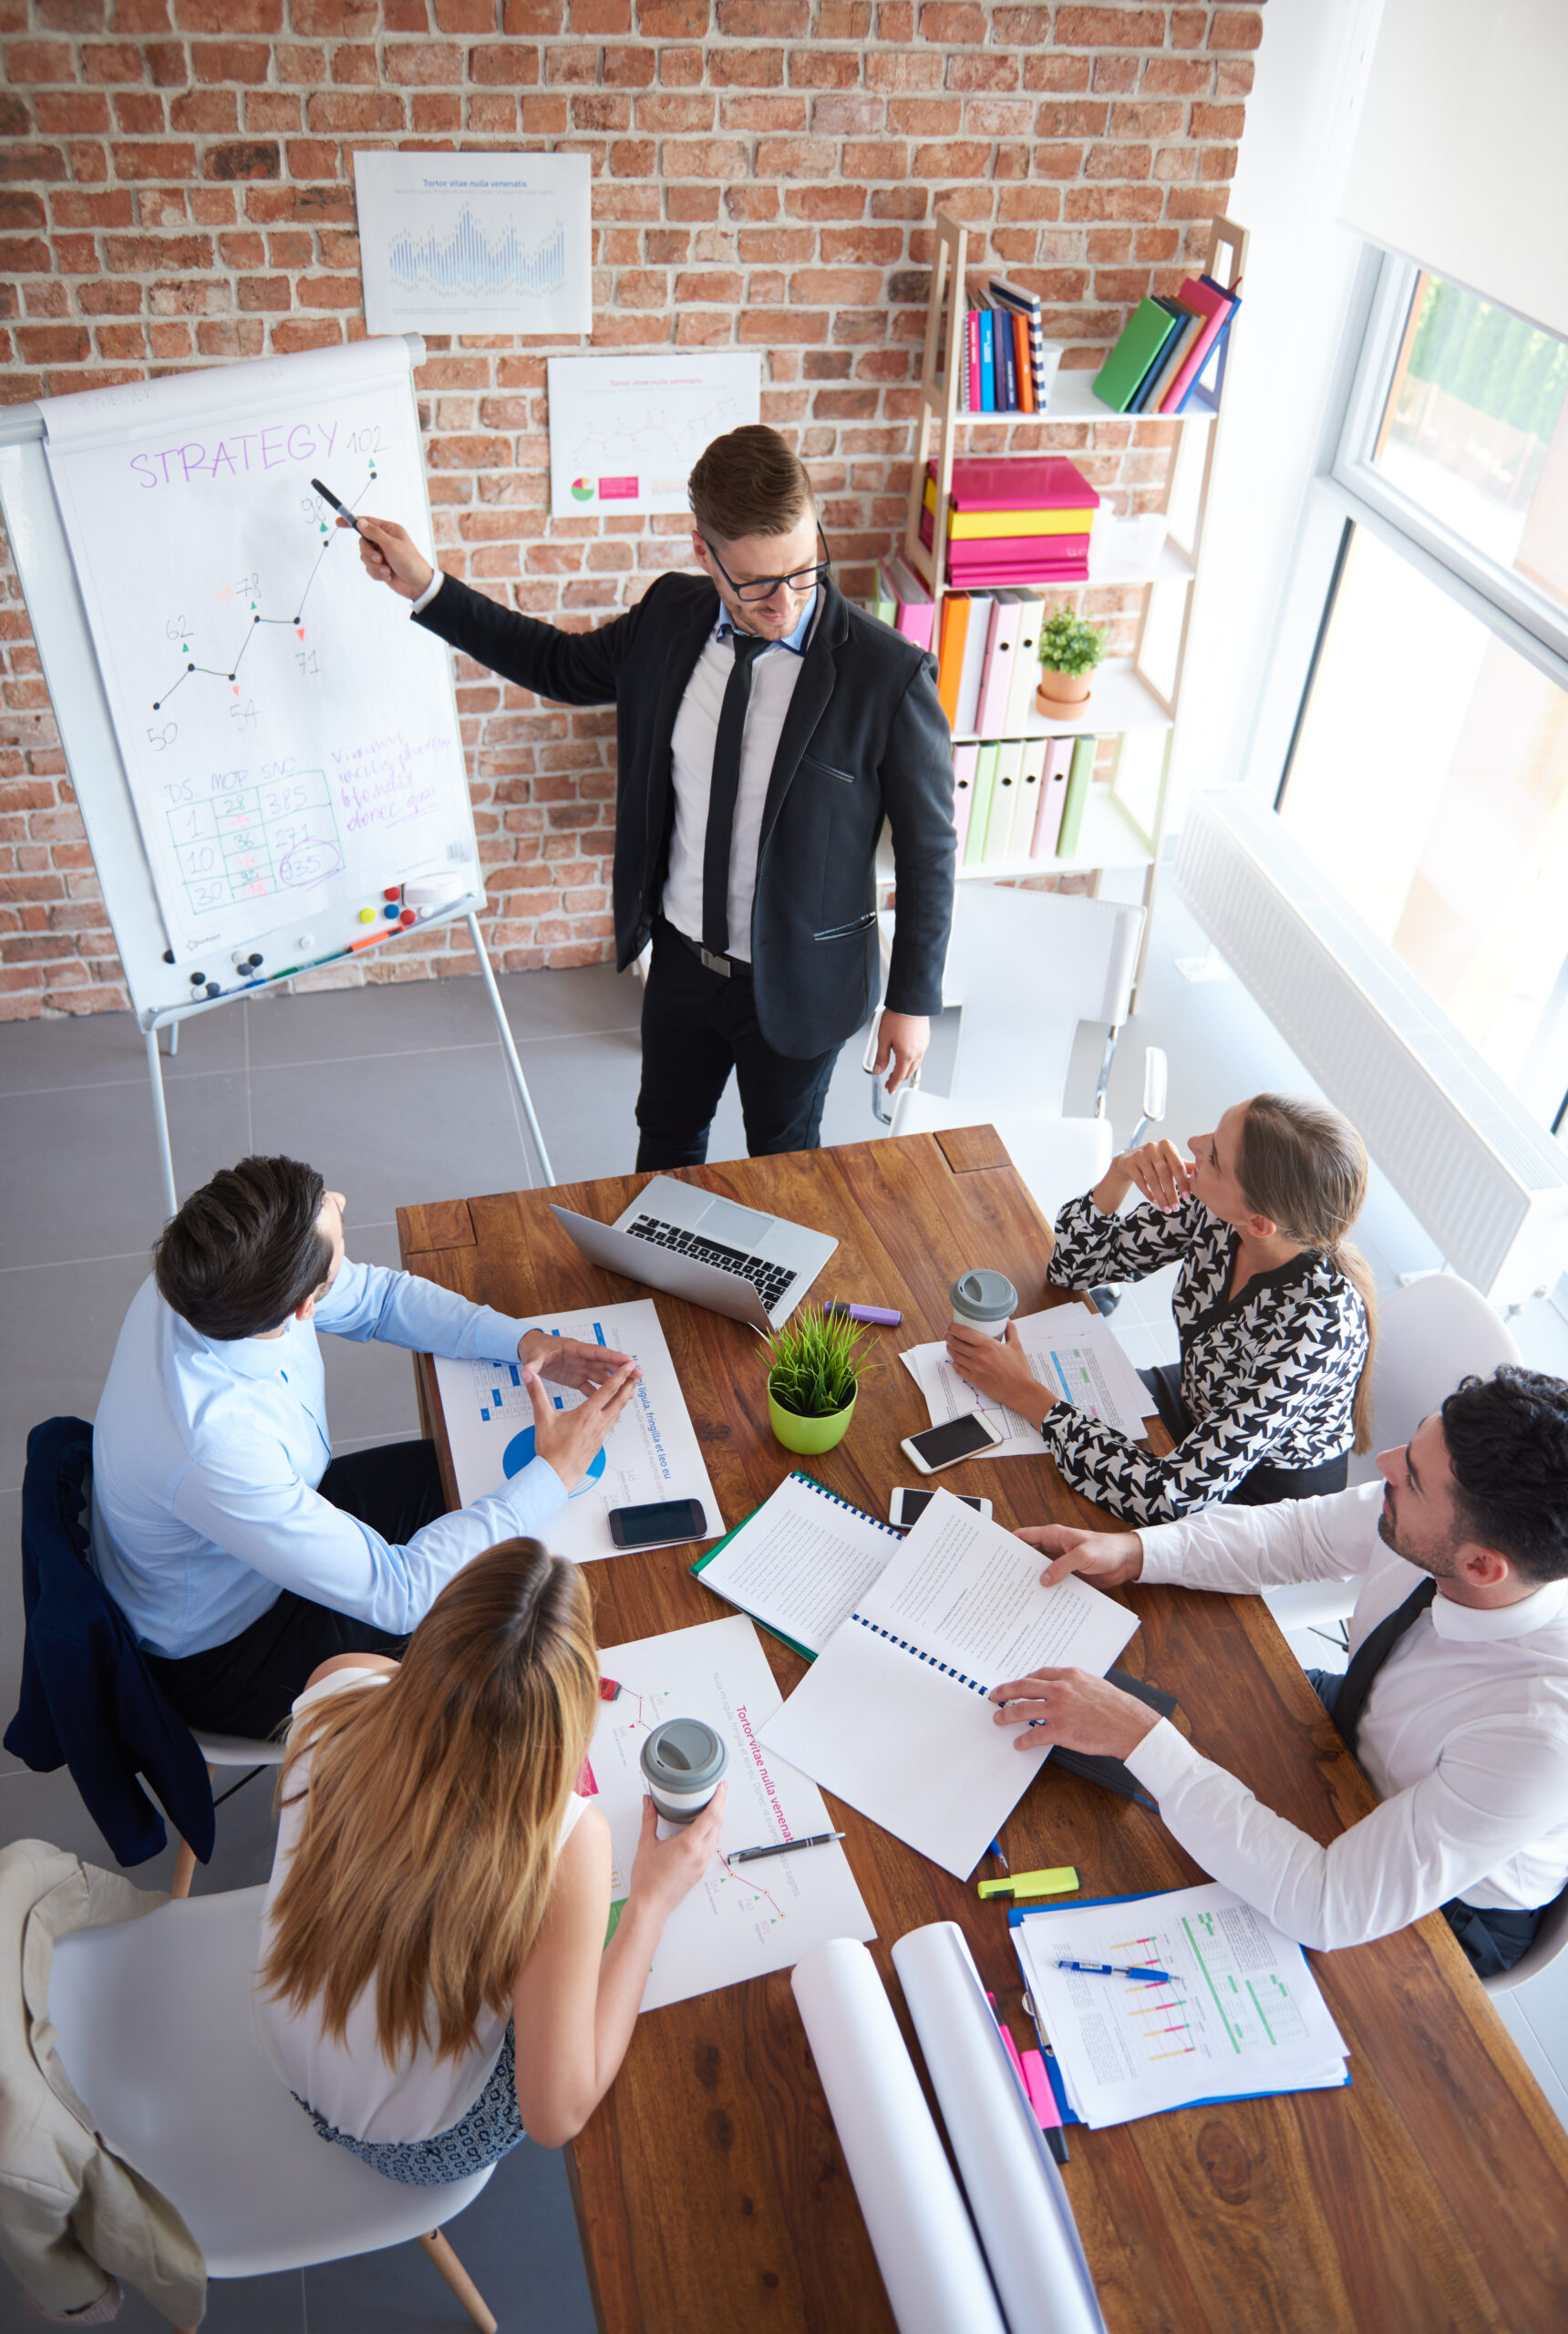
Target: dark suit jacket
x=864 y=739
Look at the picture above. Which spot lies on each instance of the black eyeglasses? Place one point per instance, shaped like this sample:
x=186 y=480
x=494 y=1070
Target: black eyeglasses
x=762 y=588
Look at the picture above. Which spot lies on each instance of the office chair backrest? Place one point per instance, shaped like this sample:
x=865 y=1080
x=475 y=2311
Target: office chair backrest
x=1028 y=967
x=1431 y=1334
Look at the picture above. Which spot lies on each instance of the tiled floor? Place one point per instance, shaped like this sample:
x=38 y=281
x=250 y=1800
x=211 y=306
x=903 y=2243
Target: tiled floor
x=399 y=1094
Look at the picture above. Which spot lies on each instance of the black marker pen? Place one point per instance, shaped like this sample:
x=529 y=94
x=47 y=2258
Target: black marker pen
x=327 y=495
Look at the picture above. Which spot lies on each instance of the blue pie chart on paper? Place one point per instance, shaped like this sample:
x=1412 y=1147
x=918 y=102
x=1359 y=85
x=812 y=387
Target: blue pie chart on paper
x=519 y=1452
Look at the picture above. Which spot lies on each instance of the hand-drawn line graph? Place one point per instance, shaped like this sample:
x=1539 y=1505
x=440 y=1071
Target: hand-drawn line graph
x=472 y=262
x=217 y=672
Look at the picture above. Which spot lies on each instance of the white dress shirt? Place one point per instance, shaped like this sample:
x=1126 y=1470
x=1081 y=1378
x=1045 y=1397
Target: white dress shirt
x=1464 y=1736
x=207 y=1452
x=774 y=673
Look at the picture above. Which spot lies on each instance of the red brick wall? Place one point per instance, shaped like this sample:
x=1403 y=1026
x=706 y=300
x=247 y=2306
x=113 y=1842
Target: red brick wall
x=178 y=192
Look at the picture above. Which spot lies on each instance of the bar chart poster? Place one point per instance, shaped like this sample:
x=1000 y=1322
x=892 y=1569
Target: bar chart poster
x=474 y=243
x=624 y=431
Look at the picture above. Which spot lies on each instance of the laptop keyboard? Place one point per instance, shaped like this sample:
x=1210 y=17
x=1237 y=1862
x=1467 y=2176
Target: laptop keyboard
x=770 y=1281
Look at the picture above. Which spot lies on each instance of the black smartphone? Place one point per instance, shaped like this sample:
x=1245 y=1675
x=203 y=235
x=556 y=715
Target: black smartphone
x=908 y=1506
x=940 y=1446
x=664 y=1519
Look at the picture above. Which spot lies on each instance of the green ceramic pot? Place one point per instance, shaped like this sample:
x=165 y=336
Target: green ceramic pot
x=810 y=1437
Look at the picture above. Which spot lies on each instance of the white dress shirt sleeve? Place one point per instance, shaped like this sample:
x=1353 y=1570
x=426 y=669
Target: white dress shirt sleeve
x=416 y=607
x=404 y=1309
x=1500 y=1786
x=1244 y=1549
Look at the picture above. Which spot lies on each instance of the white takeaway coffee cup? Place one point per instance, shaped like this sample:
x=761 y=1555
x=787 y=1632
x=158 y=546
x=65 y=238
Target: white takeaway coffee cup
x=984 y=1300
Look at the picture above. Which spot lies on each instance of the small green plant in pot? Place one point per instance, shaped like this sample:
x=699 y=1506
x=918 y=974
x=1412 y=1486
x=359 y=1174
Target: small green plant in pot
x=1070 y=649
x=813 y=1377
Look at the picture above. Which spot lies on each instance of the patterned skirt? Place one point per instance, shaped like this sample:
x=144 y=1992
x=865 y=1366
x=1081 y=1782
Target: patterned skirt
x=491 y=2129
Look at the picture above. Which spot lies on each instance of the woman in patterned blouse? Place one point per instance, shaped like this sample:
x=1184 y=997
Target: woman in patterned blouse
x=1274 y=1306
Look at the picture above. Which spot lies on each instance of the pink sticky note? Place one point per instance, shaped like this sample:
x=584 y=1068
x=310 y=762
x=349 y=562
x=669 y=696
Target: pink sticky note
x=1042 y=2098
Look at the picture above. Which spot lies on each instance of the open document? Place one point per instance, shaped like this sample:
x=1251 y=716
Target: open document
x=650 y=1453
x=1241 y=2015
x=1072 y=1349
x=893 y=1715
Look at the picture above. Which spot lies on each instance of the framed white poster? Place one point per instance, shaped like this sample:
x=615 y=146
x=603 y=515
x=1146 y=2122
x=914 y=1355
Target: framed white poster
x=474 y=243
x=625 y=430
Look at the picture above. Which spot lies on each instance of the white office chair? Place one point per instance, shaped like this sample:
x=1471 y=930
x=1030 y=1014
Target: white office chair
x=221 y=1750
x=154 y=2020
x=1548 y=1942
x=1431 y=1334
x=1027 y=968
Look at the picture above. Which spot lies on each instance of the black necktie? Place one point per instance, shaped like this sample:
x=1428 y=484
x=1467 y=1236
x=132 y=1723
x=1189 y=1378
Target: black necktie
x=1370 y=1655
x=723 y=788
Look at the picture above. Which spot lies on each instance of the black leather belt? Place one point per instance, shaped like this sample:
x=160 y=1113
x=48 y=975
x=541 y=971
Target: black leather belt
x=730 y=967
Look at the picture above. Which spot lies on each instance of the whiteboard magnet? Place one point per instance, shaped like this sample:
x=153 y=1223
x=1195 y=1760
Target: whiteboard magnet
x=429 y=892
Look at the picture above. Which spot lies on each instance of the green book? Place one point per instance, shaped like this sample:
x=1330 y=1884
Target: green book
x=1120 y=377
x=885 y=604
x=1081 y=778
x=980 y=810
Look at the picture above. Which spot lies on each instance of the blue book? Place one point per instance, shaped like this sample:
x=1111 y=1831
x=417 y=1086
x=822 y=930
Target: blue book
x=987 y=361
x=1180 y=318
x=1214 y=347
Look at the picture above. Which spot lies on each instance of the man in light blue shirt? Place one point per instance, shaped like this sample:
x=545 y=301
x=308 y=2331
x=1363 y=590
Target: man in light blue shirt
x=239 y=1550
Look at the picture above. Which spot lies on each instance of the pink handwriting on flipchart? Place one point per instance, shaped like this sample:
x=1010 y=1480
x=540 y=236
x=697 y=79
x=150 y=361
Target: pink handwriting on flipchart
x=387 y=780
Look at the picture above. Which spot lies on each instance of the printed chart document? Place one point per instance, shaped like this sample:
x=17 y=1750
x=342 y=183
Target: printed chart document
x=1242 y=2015
x=892 y=1715
x=760 y=1916
x=1072 y=1349
x=652 y=1452
x=802 y=1564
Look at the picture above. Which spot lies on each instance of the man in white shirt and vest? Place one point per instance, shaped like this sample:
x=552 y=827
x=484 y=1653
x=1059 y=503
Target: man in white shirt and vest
x=767 y=730
x=1454 y=1701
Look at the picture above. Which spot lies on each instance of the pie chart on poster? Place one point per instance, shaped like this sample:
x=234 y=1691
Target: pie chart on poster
x=519 y=1452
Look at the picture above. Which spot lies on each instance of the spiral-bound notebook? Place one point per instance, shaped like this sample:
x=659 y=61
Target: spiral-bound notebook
x=801 y=1563
x=893 y=1715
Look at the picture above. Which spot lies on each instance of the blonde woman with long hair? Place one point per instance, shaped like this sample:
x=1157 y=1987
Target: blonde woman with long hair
x=434 y=1981
x=1275 y=1309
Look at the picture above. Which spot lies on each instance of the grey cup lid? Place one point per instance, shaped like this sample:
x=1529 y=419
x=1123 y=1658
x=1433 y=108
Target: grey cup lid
x=985 y=1295
x=684 y=1754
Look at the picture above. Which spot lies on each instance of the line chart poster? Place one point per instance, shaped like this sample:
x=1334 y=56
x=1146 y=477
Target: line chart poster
x=624 y=431
x=290 y=740
x=474 y=243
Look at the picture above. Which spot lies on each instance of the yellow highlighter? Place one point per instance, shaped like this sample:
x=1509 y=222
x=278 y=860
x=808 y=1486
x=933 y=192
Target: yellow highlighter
x=1059 y=1881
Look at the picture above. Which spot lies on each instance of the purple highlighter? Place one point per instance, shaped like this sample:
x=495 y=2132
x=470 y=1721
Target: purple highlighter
x=880 y=1316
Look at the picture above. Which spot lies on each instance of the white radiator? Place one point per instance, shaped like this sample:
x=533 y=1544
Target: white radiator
x=1488 y=1184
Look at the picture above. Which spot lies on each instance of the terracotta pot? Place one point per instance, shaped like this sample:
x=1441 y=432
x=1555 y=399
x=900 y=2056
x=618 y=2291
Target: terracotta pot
x=1062 y=692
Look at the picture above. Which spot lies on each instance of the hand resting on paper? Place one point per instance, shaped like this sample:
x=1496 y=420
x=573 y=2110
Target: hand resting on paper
x=999 y=1369
x=1074 y=1709
x=390 y=555
x=1108 y=1558
x=568 y=1362
x=571 y=1438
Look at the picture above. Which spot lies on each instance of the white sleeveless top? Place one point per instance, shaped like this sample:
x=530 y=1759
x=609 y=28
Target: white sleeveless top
x=350 y=2082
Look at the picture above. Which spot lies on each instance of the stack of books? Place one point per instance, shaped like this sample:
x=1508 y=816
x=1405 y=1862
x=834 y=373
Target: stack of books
x=1002 y=352
x=1166 y=348
x=1021 y=519
x=902 y=601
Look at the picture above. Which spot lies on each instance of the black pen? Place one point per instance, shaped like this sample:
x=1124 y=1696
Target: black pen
x=781 y=1847
x=327 y=495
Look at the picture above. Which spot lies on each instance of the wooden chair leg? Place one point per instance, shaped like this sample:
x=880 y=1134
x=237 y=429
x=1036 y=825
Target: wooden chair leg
x=184 y=1870
x=437 y=2250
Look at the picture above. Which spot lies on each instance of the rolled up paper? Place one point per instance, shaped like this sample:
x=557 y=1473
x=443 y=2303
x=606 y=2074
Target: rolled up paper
x=925 y=2247
x=1014 y=2189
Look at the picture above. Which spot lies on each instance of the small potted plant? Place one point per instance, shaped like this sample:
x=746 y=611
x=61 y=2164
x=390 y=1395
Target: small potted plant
x=1070 y=649
x=814 y=1378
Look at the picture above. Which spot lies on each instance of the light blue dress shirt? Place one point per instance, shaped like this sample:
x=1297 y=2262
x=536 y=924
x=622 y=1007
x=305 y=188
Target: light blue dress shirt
x=207 y=1453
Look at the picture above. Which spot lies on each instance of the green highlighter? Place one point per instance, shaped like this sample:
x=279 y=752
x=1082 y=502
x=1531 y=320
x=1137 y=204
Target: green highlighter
x=1059 y=1881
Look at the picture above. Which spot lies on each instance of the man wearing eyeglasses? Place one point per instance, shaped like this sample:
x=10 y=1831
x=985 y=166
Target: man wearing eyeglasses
x=766 y=729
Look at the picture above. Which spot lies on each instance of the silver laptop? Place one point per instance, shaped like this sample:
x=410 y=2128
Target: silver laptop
x=709 y=1250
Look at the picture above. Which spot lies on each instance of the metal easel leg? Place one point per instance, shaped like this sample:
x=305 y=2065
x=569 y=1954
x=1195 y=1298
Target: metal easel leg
x=161 y=1119
x=507 y=1047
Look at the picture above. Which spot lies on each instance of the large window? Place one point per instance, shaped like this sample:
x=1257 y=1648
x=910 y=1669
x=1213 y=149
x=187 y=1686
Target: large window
x=1428 y=771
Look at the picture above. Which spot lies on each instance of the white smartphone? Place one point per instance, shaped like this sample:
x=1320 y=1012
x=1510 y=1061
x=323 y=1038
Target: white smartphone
x=907 y=1507
x=943 y=1446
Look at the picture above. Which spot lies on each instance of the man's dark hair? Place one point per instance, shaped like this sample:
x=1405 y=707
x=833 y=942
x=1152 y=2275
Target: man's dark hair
x=748 y=483
x=244 y=1251
x=1507 y=1438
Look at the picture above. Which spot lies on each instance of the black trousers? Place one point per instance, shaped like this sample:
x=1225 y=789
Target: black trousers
x=247 y=1686
x=697 y=1027
x=1493 y=1938
x=1265 y=1486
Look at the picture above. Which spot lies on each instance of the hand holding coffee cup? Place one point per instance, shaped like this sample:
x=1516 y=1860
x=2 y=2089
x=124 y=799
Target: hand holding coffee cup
x=984 y=1300
x=984 y=1346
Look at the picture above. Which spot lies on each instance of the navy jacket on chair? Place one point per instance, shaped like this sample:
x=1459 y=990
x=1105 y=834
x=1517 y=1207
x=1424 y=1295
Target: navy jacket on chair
x=88 y=1700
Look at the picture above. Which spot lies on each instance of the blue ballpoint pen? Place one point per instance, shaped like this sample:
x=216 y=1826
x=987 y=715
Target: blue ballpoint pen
x=1113 y=1969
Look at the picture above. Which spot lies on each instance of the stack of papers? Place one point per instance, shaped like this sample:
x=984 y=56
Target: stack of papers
x=1072 y=1349
x=1241 y=2016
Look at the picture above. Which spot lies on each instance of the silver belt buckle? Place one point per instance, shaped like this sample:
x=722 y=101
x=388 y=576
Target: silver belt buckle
x=714 y=964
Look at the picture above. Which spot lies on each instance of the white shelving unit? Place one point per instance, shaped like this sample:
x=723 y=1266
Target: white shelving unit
x=1136 y=699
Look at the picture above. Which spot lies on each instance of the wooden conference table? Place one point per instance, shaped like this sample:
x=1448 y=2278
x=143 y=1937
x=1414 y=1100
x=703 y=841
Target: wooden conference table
x=710 y=2190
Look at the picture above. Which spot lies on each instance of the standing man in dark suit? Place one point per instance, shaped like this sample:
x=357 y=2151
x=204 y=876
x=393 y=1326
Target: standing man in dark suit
x=766 y=728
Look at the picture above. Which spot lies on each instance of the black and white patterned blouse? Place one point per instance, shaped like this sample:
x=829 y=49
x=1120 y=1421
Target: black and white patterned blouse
x=1268 y=1376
